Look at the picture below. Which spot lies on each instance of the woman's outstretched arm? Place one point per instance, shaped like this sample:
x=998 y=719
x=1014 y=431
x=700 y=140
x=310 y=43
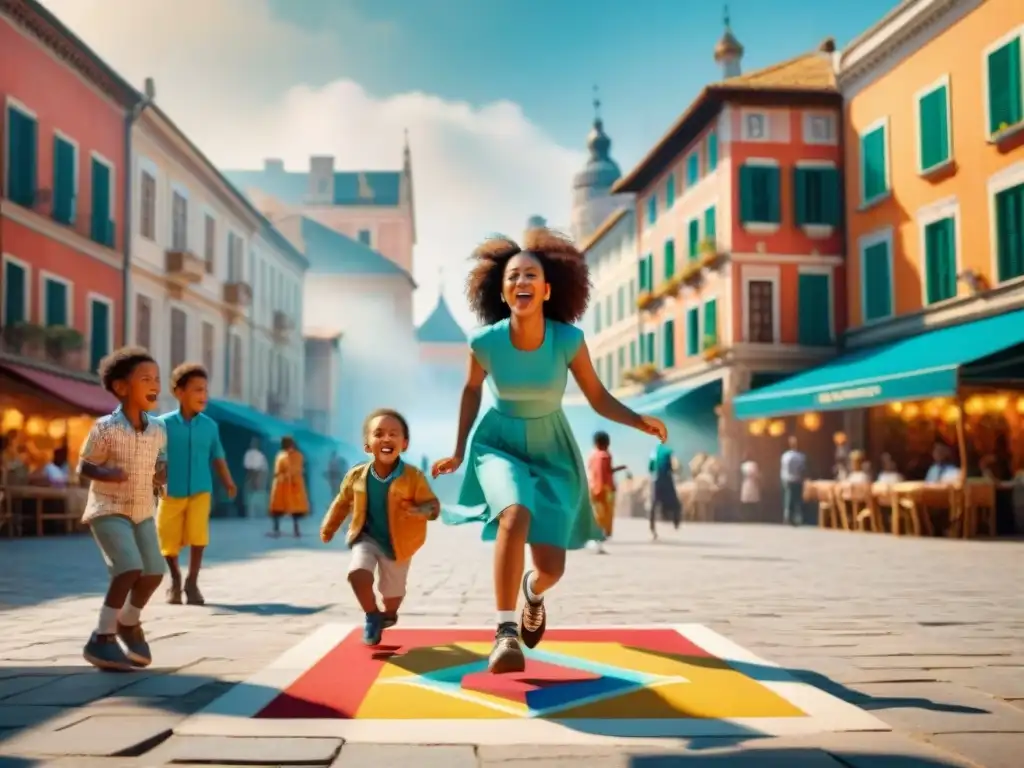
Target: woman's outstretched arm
x=469 y=407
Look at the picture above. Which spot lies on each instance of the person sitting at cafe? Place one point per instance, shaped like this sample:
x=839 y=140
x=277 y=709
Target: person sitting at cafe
x=857 y=474
x=890 y=474
x=942 y=470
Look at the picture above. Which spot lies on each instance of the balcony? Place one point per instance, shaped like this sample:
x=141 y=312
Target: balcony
x=282 y=325
x=57 y=345
x=238 y=295
x=710 y=256
x=184 y=267
x=644 y=373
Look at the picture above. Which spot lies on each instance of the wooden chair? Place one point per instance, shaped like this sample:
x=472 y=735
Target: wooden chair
x=823 y=493
x=857 y=505
x=919 y=501
x=978 y=507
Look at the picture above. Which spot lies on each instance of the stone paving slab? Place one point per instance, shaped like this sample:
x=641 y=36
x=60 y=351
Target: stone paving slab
x=991 y=750
x=937 y=708
x=252 y=751
x=97 y=736
x=379 y=756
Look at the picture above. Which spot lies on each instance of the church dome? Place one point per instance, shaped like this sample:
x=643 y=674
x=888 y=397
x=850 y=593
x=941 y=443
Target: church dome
x=601 y=171
x=441 y=327
x=728 y=46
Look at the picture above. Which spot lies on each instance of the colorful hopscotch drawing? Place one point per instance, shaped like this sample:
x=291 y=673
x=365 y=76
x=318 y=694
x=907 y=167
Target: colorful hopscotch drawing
x=581 y=686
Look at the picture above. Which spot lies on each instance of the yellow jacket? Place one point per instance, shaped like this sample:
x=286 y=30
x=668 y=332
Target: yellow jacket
x=408 y=529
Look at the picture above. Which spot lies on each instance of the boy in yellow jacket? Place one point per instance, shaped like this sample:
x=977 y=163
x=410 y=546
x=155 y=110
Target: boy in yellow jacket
x=390 y=503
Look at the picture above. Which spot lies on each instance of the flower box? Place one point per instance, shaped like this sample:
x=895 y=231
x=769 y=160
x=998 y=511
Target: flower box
x=642 y=374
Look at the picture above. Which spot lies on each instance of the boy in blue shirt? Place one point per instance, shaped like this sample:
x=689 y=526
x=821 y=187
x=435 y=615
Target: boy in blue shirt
x=193 y=449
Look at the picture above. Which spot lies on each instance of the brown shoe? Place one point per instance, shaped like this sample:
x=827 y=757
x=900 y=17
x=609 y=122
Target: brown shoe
x=174 y=594
x=193 y=596
x=506 y=657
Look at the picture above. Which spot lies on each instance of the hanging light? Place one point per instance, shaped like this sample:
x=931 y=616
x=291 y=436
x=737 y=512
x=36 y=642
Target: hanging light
x=896 y=408
x=998 y=403
x=934 y=408
x=1020 y=405
x=812 y=422
x=12 y=419
x=975 y=406
x=911 y=411
x=36 y=426
x=777 y=428
x=951 y=414
x=57 y=429
x=757 y=427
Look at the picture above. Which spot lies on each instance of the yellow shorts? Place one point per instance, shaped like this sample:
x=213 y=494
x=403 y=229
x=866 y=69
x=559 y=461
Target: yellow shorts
x=183 y=523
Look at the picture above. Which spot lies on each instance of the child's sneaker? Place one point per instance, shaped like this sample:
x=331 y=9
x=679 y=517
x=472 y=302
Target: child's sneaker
x=506 y=656
x=389 y=620
x=174 y=594
x=104 y=652
x=136 y=647
x=193 y=596
x=373 y=629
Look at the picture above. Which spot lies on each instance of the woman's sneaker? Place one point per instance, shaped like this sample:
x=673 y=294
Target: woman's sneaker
x=506 y=656
x=104 y=652
x=534 y=618
x=135 y=645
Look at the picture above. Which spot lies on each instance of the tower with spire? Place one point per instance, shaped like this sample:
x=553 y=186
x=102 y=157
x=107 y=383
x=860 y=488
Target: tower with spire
x=728 y=51
x=593 y=201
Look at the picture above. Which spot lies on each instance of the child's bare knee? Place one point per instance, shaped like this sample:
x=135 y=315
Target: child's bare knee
x=360 y=578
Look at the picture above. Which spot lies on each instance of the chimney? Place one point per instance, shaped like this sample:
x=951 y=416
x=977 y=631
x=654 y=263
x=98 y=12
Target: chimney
x=321 y=180
x=273 y=165
x=828 y=45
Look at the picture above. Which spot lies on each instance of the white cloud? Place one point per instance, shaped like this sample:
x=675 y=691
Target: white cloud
x=228 y=74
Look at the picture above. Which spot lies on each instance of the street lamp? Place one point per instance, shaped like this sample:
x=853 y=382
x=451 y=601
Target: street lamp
x=133 y=114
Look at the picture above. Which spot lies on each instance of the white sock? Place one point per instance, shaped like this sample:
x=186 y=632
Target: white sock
x=532 y=596
x=130 y=615
x=507 y=617
x=108 y=621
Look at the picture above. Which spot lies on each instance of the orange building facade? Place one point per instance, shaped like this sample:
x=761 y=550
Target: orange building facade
x=63 y=129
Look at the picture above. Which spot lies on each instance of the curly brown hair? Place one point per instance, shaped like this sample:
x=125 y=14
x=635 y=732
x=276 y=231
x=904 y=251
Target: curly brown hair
x=184 y=373
x=119 y=364
x=386 y=412
x=565 y=270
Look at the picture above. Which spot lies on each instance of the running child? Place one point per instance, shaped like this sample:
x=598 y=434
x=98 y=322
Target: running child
x=601 y=478
x=390 y=503
x=123 y=456
x=193 y=450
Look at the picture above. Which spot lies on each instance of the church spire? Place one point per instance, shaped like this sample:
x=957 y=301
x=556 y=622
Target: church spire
x=728 y=51
x=406 y=153
x=598 y=142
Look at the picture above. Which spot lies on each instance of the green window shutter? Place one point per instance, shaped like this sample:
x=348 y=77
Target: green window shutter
x=831 y=196
x=872 y=164
x=650 y=348
x=710 y=324
x=940 y=260
x=747 y=194
x=597 y=318
x=670 y=191
x=100 y=220
x=56 y=303
x=15 y=294
x=773 y=185
x=641 y=269
x=693 y=238
x=620 y=303
x=650 y=272
x=800 y=196
x=816 y=196
x=1010 y=232
x=692 y=331
x=710 y=226
x=64 y=156
x=1004 y=87
x=632 y=354
x=670 y=258
x=692 y=169
x=877 y=287
x=23 y=157
x=622 y=358
x=933 y=120
x=712 y=151
x=669 y=340
x=99 y=346
x=814 y=326
x=652 y=210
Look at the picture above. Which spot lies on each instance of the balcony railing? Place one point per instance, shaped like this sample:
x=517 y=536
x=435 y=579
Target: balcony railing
x=63 y=209
x=184 y=266
x=58 y=345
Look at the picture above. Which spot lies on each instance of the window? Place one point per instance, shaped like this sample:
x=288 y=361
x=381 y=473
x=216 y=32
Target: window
x=235 y=379
x=761 y=312
x=940 y=260
x=179 y=336
x=670 y=258
x=22 y=156
x=208 y=331
x=56 y=298
x=99 y=331
x=759 y=194
x=235 y=247
x=101 y=229
x=622 y=360
x=210 y=242
x=1003 y=68
x=712 y=151
x=366 y=238
x=1010 y=232
x=814 y=318
x=652 y=209
x=819 y=129
x=147 y=205
x=693 y=238
x=692 y=169
x=668 y=343
x=179 y=222
x=649 y=348
x=632 y=296
x=609 y=369
x=65 y=179
x=670 y=190
x=597 y=317
x=143 y=321
x=755 y=126
x=608 y=310
x=874 y=165
x=692 y=331
x=710 y=227
x=816 y=196
x=632 y=354
x=933 y=144
x=645 y=275
x=620 y=303
x=876 y=278
x=710 y=324
x=15 y=293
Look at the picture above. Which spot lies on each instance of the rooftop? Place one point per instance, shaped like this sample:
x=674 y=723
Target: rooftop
x=440 y=327
x=604 y=229
x=352 y=188
x=331 y=253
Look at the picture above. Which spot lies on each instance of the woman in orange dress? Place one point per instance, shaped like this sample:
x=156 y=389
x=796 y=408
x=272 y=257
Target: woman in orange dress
x=288 y=492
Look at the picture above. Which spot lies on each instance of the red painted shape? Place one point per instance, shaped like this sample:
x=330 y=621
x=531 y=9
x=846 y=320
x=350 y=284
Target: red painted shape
x=515 y=687
x=335 y=685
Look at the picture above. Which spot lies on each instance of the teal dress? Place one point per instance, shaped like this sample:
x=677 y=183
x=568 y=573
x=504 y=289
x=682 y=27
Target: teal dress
x=523 y=451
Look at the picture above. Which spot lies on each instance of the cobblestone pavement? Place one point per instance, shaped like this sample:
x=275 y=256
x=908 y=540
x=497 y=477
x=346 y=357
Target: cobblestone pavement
x=928 y=635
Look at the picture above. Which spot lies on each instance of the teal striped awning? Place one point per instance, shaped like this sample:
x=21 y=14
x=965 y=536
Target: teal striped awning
x=659 y=400
x=932 y=364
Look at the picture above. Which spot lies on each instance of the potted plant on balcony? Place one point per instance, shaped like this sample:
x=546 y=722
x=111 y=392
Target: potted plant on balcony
x=709 y=254
x=645 y=299
x=63 y=345
x=671 y=286
x=712 y=350
x=642 y=374
x=24 y=339
x=691 y=273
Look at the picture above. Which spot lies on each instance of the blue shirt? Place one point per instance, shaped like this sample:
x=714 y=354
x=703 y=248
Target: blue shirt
x=661 y=461
x=192 y=446
x=793 y=467
x=377 y=526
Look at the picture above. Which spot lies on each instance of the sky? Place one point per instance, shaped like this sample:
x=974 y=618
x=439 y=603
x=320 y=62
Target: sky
x=496 y=94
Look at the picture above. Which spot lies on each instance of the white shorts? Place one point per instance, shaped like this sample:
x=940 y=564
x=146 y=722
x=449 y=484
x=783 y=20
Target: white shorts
x=391 y=576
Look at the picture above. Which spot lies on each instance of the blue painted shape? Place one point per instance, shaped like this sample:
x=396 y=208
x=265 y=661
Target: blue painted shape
x=914 y=368
x=562 y=694
x=332 y=253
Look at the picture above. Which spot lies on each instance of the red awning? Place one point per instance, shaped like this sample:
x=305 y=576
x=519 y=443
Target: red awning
x=91 y=398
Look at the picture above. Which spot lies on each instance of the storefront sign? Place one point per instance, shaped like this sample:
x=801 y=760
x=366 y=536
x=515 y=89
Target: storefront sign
x=854 y=393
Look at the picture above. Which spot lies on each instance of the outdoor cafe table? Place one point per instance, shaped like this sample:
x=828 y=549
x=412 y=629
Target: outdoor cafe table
x=40 y=494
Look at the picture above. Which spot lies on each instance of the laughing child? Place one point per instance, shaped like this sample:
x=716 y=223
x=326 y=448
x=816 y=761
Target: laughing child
x=390 y=503
x=123 y=457
x=194 y=451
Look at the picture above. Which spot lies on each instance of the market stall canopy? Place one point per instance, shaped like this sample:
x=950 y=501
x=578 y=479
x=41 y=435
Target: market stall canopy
x=988 y=352
x=81 y=396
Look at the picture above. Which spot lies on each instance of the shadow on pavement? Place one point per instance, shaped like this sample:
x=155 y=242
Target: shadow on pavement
x=787 y=758
x=268 y=609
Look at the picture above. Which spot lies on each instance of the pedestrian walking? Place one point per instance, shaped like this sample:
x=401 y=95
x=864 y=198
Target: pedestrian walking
x=525 y=475
x=664 y=496
x=256 y=471
x=792 y=472
x=288 y=496
x=601 y=477
x=750 y=488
